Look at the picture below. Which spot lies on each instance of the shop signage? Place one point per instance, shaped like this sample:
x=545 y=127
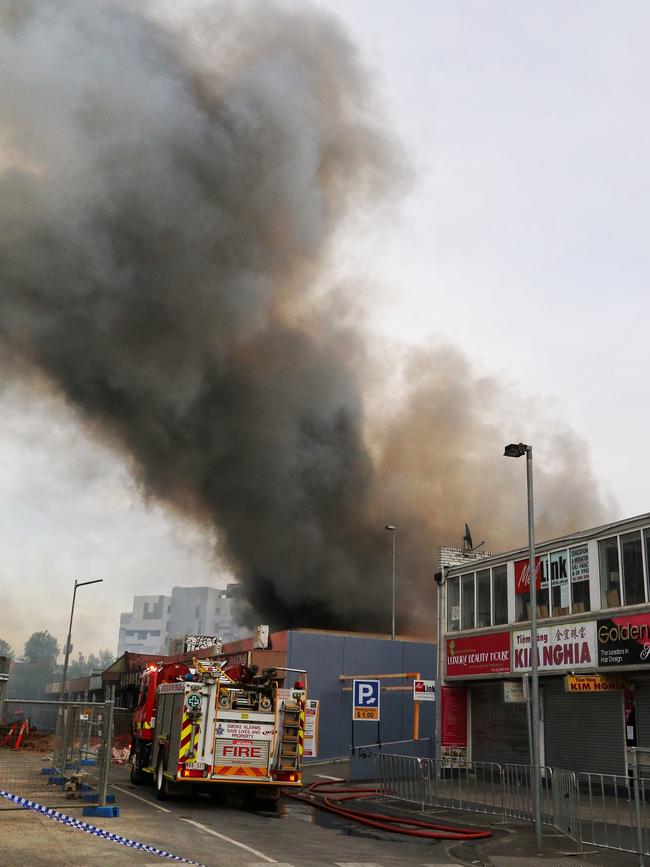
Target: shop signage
x=522 y=575
x=580 y=563
x=513 y=692
x=624 y=640
x=424 y=690
x=454 y=716
x=478 y=654
x=594 y=683
x=562 y=645
x=312 y=709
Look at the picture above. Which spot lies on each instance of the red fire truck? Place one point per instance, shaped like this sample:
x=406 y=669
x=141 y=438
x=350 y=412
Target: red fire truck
x=200 y=726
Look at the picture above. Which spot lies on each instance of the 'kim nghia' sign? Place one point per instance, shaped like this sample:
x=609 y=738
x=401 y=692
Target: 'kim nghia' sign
x=561 y=646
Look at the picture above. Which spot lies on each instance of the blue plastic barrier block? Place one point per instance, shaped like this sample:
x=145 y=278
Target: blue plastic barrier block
x=85 y=787
x=102 y=812
x=89 y=762
x=57 y=781
x=90 y=796
x=48 y=771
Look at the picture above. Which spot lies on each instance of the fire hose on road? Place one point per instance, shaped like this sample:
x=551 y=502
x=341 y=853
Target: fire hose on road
x=315 y=797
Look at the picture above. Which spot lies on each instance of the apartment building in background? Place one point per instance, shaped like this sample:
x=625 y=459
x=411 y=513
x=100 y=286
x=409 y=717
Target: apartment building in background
x=187 y=611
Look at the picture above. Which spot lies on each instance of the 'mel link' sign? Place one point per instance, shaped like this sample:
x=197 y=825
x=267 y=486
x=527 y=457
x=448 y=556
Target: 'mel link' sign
x=365 y=700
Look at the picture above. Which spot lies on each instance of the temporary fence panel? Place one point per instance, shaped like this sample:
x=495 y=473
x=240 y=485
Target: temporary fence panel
x=517 y=785
x=56 y=752
x=482 y=787
x=565 y=803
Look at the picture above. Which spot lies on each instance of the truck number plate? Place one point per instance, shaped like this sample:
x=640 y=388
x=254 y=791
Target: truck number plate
x=195 y=766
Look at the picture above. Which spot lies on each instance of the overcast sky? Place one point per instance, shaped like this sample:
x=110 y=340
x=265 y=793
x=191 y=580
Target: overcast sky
x=523 y=241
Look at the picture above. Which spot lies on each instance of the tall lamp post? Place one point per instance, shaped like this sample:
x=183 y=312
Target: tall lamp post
x=518 y=450
x=68 y=643
x=392 y=529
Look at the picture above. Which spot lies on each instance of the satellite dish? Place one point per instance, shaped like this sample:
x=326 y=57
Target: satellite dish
x=467 y=538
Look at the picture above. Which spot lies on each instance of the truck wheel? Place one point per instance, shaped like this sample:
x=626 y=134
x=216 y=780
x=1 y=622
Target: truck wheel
x=138 y=777
x=164 y=789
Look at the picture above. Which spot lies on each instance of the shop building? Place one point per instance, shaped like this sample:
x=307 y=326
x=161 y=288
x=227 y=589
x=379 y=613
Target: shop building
x=593 y=610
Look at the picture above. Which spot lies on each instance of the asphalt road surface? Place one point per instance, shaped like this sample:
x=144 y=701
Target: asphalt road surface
x=227 y=835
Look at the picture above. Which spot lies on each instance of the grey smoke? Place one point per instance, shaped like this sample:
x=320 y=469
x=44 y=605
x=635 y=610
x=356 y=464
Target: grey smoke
x=169 y=196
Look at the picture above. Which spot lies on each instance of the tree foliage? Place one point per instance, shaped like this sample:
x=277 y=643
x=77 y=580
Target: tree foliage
x=42 y=648
x=82 y=666
x=29 y=677
x=5 y=649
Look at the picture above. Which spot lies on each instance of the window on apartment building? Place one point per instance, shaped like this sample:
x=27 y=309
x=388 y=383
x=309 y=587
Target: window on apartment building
x=142 y=636
x=500 y=595
x=453 y=604
x=483 y=601
x=560 y=586
x=467 y=605
x=610 y=575
x=579 y=570
x=632 y=555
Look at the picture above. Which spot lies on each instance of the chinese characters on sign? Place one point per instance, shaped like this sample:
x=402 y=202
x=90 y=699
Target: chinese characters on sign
x=562 y=645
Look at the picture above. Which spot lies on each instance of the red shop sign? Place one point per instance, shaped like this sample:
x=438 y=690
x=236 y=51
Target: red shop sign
x=478 y=654
x=522 y=575
x=454 y=716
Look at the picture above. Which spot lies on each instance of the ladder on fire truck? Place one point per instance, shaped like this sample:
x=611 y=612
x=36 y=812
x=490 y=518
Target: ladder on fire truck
x=290 y=736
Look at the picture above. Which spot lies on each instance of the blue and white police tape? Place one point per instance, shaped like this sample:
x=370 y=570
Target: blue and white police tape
x=93 y=829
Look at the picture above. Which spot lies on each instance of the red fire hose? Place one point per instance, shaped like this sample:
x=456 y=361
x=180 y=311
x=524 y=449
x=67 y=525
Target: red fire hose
x=395 y=824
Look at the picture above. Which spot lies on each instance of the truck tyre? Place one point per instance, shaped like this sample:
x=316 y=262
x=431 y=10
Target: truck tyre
x=138 y=777
x=164 y=789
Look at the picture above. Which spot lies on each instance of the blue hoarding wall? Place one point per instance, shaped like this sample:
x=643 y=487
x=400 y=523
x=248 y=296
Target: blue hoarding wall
x=326 y=656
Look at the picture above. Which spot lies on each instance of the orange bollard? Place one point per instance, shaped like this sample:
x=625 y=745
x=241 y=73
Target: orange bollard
x=7 y=738
x=21 y=732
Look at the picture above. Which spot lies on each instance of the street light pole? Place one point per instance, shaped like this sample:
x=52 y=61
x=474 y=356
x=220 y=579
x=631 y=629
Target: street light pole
x=393 y=530
x=517 y=450
x=68 y=643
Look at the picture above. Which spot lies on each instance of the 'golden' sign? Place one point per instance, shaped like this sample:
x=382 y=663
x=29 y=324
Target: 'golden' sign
x=594 y=683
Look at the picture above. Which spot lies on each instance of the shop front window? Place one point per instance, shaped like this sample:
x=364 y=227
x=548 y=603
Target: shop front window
x=467 y=601
x=543 y=592
x=610 y=576
x=633 y=584
x=500 y=595
x=483 y=614
x=560 y=586
x=522 y=606
x=579 y=567
x=453 y=605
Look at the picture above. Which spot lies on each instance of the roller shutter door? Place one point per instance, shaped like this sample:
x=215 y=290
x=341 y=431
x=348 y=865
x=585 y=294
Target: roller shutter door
x=583 y=732
x=499 y=730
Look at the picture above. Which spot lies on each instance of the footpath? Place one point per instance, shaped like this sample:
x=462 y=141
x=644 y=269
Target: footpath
x=512 y=843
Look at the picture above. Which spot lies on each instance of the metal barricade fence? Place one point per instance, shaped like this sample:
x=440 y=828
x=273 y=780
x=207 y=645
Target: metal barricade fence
x=605 y=810
x=483 y=787
x=56 y=752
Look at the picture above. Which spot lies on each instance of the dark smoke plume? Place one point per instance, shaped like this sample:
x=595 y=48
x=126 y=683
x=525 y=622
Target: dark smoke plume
x=169 y=196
